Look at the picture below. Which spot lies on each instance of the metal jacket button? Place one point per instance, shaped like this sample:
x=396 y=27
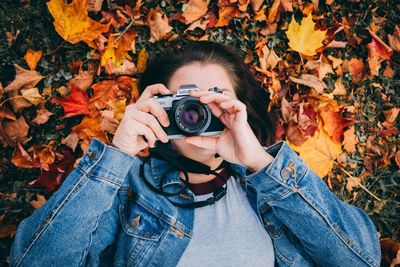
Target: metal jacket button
x=92 y=155
x=271 y=229
x=285 y=173
x=135 y=221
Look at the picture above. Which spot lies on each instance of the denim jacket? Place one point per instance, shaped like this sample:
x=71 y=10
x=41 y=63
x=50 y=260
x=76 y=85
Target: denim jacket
x=104 y=215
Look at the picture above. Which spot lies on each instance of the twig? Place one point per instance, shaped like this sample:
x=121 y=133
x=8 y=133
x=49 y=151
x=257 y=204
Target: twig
x=55 y=49
x=302 y=62
x=124 y=31
x=359 y=183
x=17 y=96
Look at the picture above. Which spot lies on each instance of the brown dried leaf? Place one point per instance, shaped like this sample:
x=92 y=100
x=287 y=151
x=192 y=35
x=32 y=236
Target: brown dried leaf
x=39 y=202
x=339 y=88
x=390 y=117
x=195 y=10
x=71 y=140
x=310 y=81
x=109 y=123
x=16 y=131
x=256 y=4
x=83 y=80
x=42 y=116
x=357 y=69
x=32 y=95
x=24 y=79
x=159 y=25
x=350 y=140
x=394 y=40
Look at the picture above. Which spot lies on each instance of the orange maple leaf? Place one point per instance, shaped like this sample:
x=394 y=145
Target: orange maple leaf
x=226 y=14
x=32 y=58
x=75 y=103
x=89 y=128
x=330 y=113
x=107 y=93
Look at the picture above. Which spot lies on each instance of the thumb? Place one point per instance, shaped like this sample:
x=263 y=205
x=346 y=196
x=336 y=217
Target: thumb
x=202 y=141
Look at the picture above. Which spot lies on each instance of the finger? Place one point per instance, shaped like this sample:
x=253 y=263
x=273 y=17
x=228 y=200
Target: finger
x=152 y=106
x=235 y=106
x=200 y=93
x=215 y=109
x=154 y=89
x=151 y=122
x=206 y=142
x=217 y=98
x=146 y=132
x=224 y=91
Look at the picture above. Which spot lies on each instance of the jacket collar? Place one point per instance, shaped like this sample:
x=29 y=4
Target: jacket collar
x=161 y=169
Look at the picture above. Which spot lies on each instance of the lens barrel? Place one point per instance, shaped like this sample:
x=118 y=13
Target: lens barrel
x=191 y=116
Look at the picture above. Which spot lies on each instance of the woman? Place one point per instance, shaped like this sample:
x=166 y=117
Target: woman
x=119 y=209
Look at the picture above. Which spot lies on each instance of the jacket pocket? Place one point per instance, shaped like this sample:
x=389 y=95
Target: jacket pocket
x=140 y=222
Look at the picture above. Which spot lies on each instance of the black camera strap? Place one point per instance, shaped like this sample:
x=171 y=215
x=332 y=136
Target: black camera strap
x=165 y=152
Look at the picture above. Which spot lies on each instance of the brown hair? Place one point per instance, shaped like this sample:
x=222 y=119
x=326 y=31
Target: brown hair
x=247 y=88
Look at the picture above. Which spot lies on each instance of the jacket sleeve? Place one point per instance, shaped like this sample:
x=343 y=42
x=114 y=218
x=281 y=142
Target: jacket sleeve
x=332 y=232
x=80 y=218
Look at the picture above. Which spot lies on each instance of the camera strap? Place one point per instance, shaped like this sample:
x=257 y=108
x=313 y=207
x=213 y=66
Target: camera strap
x=165 y=152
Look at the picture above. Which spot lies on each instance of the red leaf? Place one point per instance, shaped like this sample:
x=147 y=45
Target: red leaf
x=75 y=103
x=52 y=178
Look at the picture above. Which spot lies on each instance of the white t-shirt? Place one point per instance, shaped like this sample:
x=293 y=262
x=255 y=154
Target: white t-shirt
x=228 y=233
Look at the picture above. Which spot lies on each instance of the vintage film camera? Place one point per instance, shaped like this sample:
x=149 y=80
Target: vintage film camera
x=187 y=115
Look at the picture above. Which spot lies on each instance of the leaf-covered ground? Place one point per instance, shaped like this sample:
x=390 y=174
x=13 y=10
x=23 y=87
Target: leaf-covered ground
x=331 y=69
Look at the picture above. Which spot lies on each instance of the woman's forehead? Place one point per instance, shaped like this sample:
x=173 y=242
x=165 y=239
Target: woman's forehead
x=204 y=76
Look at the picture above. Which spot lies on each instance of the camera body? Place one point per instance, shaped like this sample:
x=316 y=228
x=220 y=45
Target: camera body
x=187 y=115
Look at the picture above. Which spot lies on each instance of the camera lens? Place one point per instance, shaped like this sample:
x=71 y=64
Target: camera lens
x=191 y=116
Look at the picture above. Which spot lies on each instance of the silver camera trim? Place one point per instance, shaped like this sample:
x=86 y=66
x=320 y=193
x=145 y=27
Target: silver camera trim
x=184 y=90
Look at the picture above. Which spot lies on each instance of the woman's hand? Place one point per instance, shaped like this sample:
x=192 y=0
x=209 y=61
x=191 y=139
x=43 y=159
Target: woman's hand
x=140 y=125
x=237 y=143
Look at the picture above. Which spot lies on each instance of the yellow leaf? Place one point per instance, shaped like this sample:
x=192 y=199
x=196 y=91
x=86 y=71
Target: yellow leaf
x=303 y=38
x=72 y=22
x=119 y=109
x=142 y=60
x=319 y=152
x=32 y=58
x=115 y=58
